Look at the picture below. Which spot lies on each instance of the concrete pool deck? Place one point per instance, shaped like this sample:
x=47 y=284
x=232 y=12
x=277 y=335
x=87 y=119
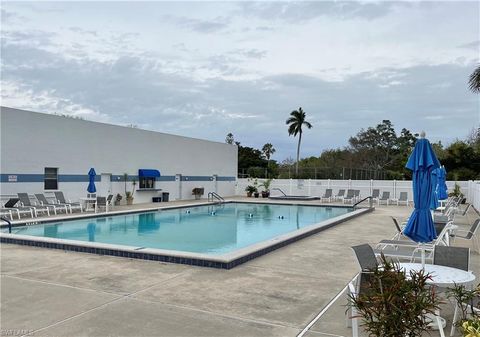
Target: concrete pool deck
x=55 y=293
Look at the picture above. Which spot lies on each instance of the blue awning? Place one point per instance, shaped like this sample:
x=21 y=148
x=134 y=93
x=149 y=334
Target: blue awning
x=148 y=173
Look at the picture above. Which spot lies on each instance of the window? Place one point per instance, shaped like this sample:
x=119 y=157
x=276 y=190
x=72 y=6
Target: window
x=146 y=182
x=51 y=178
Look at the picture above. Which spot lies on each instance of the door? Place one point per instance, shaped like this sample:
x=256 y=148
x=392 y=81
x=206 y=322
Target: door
x=105 y=184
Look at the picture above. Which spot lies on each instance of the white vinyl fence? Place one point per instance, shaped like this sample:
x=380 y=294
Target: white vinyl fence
x=312 y=187
x=474 y=195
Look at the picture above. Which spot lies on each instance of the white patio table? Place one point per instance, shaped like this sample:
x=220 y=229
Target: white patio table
x=88 y=204
x=442 y=276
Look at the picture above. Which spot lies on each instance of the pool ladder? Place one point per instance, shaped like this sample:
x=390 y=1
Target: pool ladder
x=214 y=195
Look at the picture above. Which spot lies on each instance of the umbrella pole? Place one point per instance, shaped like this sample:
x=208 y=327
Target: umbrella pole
x=422 y=247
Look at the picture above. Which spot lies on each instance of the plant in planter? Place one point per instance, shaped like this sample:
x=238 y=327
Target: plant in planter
x=256 y=194
x=393 y=304
x=118 y=198
x=469 y=319
x=250 y=189
x=198 y=192
x=266 y=188
x=128 y=194
x=456 y=191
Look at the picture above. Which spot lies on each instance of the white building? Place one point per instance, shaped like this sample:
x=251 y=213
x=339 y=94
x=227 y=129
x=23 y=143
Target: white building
x=42 y=153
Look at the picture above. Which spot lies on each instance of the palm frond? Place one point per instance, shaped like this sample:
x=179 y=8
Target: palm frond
x=474 y=81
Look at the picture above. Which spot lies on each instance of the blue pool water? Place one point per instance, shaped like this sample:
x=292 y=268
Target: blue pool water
x=194 y=229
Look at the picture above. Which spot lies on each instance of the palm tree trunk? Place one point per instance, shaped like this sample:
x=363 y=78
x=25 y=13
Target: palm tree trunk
x=298 y=153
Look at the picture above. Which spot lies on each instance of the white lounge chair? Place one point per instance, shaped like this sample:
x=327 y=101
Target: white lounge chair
x=327 y=196
x=11 y=205
x=44 y=202
x=25 y=200
x=384 y=198
x=402 y=199
x=339 y=195
x=375 y=194
x=350 y=197
x=61 y=200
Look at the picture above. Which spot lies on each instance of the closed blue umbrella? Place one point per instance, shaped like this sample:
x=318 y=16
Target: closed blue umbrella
x=442 y=190
x=91 y=181
x=434 y=201
x=422 y=162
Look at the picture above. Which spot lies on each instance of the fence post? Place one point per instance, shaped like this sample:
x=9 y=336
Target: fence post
x=371 y=186
x=328 y=183
x=309 y=187
x=349 y=184
x=394 y=188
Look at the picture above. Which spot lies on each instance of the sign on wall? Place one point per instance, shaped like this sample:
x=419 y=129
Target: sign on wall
x=12 y=178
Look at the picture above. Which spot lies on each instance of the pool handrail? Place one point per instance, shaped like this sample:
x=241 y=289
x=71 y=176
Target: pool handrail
x=359 y=202
x=8 y=222
x=212 y=195
x=278 y=189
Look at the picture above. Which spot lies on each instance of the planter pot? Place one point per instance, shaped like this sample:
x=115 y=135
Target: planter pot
x=265 y=194
x=249 y=194
x=130 y=201
x=198 y=196
x=116 y=203
x=256 y=194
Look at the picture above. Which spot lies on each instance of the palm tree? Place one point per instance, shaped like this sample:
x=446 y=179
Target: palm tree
x=268 y=150
x=295 y=123
x=474 y=82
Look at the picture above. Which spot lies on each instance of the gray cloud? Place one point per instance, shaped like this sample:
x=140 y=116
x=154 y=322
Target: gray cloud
x=471 y=45
x=200 y=26
x=150 y=90
x=301 y=11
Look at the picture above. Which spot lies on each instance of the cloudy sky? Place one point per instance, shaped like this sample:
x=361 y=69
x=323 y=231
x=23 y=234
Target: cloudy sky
x=203 y=69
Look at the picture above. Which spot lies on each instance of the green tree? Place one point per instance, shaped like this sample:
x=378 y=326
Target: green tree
x=474 y=81
x=461 y=161
x=295 y=123
x=267 y=151
x=249 y=157
x=376 y=146
x=229 y=139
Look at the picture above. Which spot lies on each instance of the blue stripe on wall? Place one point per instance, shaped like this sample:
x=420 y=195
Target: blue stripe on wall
x=79 y=178
x=21 y=178
x=197 y=178
x=226 y=178
x=75 y=178
x=166 y=178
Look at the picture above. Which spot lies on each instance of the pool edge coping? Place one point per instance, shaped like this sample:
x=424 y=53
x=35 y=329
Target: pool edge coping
x=223 y=261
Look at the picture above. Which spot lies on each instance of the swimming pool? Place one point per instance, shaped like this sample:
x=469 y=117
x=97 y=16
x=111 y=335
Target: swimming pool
x=218 y=233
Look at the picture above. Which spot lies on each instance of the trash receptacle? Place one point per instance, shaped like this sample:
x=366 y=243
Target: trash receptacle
x=165 y=196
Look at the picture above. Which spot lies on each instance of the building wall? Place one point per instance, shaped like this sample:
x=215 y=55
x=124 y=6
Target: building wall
x=31 y=141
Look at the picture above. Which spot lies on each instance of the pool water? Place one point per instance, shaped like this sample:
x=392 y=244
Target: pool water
x=213 y=229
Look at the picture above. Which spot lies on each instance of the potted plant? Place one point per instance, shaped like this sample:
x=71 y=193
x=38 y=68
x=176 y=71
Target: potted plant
x=198 y=192
x=250 y=189
x=392 y=304
x=128 y=194
x=266 y=186
x=469 y=319
x=256 y=194
x=118 y=198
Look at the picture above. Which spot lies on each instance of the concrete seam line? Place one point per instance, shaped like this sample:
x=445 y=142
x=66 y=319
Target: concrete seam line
x=91 y=309
x=237 y=318
x=62 y=285
x=324 y=310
